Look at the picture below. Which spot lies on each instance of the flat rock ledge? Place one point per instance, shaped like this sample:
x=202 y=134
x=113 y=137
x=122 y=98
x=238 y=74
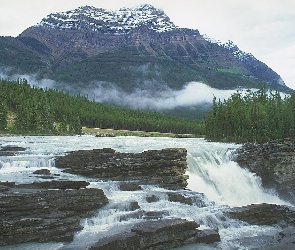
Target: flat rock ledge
x=158 y=234
x=28 y=214
x=165 y=167
x=270 y=214
x=274 y=162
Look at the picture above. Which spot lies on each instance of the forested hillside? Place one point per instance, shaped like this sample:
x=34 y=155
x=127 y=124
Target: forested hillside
x=254 y=116
x=31 y=110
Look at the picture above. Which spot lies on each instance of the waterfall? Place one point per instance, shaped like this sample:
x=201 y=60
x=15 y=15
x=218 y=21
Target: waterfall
x=212 y=172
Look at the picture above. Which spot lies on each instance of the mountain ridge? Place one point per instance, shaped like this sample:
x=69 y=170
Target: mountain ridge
x=108 y=44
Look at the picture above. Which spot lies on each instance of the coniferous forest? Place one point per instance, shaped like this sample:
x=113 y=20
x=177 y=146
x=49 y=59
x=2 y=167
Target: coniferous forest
x=32 y=110
x=254 y=116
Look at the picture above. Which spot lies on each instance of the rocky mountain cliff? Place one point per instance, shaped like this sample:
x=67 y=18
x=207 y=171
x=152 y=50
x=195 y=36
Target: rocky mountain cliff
x=130 y=48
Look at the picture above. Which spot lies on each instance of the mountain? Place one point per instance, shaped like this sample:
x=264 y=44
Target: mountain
x=131 y=48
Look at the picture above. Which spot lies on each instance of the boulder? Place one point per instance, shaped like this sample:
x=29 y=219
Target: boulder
x=42 y=171
x=189 y=198
x=165 y=167
x=152 y=198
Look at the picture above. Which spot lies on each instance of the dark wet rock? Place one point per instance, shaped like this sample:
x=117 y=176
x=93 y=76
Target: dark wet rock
x=133 y=206
x=12 y=148
x=154 y=235
x=164 y=167
x=188 y=197
x=207 y=236
x=265 y=214
x=64 y=184
x=155 y=215
x=3 y=188
x=7 y=183
x=42 y=171
x=51 y=215
x=152 y=198
x=274 y=162
x=105 y=134
x=129 y=186
x=270 y=214
x=7 y=153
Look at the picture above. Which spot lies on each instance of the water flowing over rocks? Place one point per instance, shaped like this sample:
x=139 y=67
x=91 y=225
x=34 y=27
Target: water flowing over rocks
x=274 y=162
x=158 y=234
x=165 y=167
x=47 y=215
x=270 y=214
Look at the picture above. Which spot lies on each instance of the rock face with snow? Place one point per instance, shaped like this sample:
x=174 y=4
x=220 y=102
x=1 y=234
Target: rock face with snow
x=131 y=48
x=109 y=22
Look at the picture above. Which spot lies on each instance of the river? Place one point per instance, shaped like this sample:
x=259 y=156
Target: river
x=211 y=171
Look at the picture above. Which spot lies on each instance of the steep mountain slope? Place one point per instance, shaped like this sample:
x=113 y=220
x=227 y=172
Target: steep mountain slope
x=133 y=48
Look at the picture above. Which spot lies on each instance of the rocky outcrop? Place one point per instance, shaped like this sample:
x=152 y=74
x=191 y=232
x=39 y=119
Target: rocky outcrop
x=158 y=234
x=274 y=162
x=270 y=214
x=265 y=214
x=10 y=150
x=189 y=198
x=48 y=215
x=165 y=167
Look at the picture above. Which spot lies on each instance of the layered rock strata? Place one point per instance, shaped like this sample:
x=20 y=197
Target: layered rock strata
x=47 y=215
x=165 y=167
x=274 y=162
x=270 y=214
x=158 y=234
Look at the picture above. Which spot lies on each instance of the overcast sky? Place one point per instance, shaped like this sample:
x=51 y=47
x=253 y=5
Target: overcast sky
x=265 y=28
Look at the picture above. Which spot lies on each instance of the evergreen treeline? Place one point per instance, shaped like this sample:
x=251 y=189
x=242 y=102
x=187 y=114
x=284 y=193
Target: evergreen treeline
x=31 y=110
x=254 y=116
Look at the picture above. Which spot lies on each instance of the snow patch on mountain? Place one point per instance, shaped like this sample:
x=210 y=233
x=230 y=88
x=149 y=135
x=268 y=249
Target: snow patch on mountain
x=107 y=21
x=237 y=53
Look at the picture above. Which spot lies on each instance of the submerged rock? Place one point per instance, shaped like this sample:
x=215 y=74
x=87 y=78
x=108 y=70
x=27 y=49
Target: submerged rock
x=164 y=167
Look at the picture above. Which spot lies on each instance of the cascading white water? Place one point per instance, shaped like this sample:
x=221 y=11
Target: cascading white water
x=223 y=180
x=210 y=171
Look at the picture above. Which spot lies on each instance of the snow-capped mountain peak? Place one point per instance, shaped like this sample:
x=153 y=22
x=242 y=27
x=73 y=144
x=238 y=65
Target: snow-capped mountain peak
x=107 y=21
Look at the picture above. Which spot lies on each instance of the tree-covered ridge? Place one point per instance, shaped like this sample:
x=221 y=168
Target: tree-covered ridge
x=35 y=110
x=254 y=116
